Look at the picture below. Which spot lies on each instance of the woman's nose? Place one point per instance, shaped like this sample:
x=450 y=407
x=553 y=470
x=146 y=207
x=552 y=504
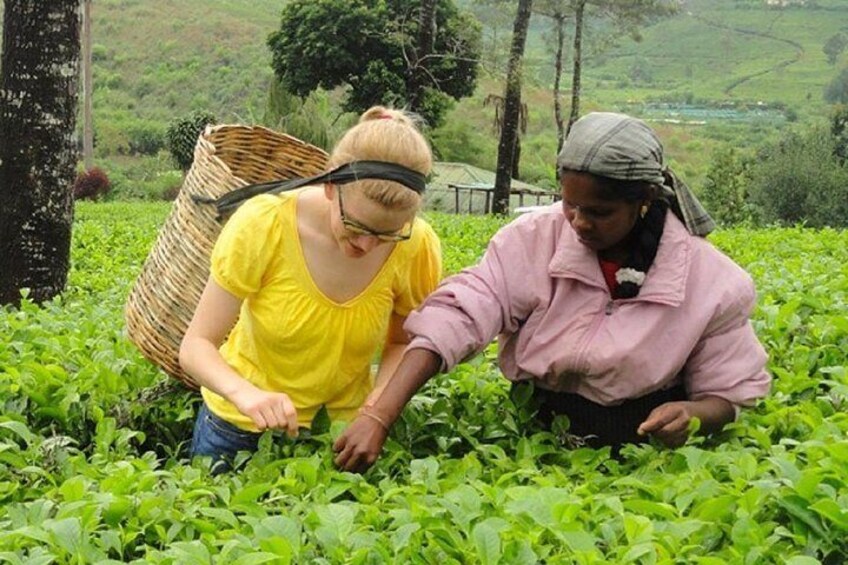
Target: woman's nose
x=580 y=222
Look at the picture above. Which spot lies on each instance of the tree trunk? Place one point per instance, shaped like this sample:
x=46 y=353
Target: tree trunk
x=512 y=109
x=426 y=38
x=560 y=31
x=516 y=159
x=87 y=81
x=38 y=107
x=578 y=54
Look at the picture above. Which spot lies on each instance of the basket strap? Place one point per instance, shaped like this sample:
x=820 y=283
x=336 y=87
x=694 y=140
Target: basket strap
x=349 y=172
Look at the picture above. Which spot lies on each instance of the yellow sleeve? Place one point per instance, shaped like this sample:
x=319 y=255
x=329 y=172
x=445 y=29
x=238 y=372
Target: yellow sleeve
x=423 y=272
x=246 y=246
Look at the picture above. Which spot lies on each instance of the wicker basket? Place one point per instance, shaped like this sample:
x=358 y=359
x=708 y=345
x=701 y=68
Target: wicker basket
x=163 y=299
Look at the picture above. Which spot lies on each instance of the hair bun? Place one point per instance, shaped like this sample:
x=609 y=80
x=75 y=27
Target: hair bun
x=383 y=113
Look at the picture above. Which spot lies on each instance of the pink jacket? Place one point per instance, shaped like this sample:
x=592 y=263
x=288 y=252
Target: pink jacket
x=544 y=293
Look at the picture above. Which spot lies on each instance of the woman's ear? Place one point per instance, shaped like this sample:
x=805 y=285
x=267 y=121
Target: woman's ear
x=329 y=191
x=654 y=191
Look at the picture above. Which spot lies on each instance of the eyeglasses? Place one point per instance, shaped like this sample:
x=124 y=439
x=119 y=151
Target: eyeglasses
x=356 y=228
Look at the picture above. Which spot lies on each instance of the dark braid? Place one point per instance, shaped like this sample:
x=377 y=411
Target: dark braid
x=645 y=240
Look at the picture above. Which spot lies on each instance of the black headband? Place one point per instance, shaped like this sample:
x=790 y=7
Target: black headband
x=349 y=172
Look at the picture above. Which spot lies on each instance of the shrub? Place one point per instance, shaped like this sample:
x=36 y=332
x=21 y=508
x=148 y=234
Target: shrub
x=170 y=194
x=839 y=131
x=801 y=179
x=91 y=184
x=837 y=91
x=182 y=136
x=725 y=192
x=145 y=138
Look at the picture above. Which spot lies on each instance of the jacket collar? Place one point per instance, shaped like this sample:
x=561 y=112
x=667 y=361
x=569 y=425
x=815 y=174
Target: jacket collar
x=666 y=279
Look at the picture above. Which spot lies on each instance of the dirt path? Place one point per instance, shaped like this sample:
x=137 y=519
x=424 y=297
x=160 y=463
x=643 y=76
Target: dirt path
x=799 y=50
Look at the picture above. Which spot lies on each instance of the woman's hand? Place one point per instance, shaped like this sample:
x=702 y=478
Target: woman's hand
x=670 y=422
x=268 y=410
x=360 y=444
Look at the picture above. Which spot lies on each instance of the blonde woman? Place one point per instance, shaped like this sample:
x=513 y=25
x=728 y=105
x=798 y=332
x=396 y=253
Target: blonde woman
x=312 y=282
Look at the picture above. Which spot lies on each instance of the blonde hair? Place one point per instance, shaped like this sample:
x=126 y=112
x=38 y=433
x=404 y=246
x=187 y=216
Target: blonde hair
x=385 y=134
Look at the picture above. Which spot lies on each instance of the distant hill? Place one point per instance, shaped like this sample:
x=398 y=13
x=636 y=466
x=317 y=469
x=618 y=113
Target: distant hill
x=728 y=50
x=727 y=62
x=156 y=59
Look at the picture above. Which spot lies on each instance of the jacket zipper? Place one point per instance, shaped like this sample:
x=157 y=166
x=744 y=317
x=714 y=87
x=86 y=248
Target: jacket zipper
x=590 y=336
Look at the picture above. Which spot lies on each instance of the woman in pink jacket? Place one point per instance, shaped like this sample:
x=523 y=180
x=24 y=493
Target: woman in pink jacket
x=623 y=317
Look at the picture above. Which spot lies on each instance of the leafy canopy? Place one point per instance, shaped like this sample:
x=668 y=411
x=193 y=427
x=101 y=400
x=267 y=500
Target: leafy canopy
x=369 y=46
x=182 y=136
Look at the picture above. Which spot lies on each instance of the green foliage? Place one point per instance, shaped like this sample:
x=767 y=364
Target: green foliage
x=182 y=136
x=93 y=468
x=147 y=177
x=839 y=132
x=837 y=91
x=118 y=134
x=313 y=119
x=801 y=179
x=145 y=138
x=364 y=44
x=725 y=191
x=455 y=142
x=834 y=46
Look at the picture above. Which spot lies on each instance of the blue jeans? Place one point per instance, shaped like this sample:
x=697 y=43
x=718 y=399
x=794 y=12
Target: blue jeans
x=216 y=438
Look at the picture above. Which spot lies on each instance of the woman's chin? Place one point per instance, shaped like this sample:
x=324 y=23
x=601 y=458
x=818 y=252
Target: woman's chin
x=592 y=244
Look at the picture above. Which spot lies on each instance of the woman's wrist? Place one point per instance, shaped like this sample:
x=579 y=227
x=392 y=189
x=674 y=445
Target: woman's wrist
x=714 y=412
x=368 y=413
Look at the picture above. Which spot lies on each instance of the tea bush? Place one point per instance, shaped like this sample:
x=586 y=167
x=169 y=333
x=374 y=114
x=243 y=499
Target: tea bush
x=93 y=468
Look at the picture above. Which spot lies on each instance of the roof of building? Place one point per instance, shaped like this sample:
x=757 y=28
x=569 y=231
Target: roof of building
x=448 y=173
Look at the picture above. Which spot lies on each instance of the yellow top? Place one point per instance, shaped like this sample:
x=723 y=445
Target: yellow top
x=292 y=338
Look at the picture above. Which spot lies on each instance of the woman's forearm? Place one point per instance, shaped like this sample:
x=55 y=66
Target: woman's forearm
x=202 y=360
x=389 y=362
x=416 y=367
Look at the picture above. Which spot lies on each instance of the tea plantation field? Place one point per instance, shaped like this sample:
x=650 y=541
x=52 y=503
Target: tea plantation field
x=93 y=441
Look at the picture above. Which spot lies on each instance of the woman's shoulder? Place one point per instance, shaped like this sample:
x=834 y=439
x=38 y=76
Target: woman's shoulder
x=267 y=211
x=718 y=273
x=267 y=205
x=423 y=238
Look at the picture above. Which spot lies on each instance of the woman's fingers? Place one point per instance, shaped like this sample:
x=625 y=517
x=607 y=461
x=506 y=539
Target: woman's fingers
x=669 y=423
x=259 y=419
x=345 y=458
x=657 y=419
x=279 y=415
x=360 y=445
x=272 y=411
x=290 y=415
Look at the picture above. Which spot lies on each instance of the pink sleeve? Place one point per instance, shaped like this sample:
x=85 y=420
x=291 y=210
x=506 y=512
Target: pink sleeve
x=729 y=361
x=469 y=309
